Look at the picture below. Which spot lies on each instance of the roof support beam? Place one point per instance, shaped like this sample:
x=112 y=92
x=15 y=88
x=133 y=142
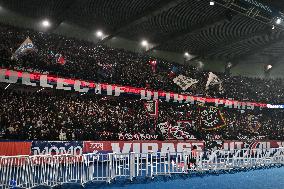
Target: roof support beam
x=276 y=39
x=226 y=44
x=181 y=34
x=142 y=18
x=215 y=49
x=58 y=18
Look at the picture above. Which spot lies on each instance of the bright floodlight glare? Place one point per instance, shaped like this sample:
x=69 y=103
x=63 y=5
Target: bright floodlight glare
x=212 y=3
x=269 y=67
x=278 y=21
x=99 y=33
x=45 y=23
x=186 y=54
x=144 y=43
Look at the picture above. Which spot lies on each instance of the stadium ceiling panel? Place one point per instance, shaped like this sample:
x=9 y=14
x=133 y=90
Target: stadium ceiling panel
x=215 y=35
x=275 y=3
x=172 y=25
x=181 y=19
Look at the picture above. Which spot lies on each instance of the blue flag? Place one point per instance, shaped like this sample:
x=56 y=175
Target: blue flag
x=25 y=48
x=173 y=72
x=175 y=69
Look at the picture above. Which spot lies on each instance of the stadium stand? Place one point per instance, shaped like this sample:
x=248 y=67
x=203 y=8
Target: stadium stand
x=76 y=117
x=79 y=110
x=85 y=60
x=71 y=116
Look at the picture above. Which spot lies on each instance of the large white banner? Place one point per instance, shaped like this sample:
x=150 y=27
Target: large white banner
x=184 y=82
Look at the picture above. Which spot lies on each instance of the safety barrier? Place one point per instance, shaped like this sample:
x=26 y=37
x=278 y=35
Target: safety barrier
x=51 y=170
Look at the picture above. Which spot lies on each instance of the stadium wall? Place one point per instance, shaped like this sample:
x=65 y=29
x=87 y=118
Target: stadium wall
x=14 y=148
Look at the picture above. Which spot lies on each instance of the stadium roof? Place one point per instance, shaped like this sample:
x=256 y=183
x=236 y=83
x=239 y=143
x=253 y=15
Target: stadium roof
x=172 y=25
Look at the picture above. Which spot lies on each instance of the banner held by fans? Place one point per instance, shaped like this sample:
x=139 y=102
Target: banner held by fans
x=184 y=82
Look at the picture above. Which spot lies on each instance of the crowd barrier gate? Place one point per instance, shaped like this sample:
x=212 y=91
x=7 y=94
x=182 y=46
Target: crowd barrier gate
x=51 y=170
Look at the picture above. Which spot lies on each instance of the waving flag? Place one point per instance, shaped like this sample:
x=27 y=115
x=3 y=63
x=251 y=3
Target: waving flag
x=25 y=48
x=60 y=59
x=153 y=63
x=173 y=72
x=184 y=82
x=213 y=80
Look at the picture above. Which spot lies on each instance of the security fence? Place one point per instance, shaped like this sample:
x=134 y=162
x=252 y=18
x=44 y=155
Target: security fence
x=52 y=170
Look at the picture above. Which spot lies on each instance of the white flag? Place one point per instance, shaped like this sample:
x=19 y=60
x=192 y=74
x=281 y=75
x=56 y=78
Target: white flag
x=175 y=132
x=184 y=82
x=214 y=80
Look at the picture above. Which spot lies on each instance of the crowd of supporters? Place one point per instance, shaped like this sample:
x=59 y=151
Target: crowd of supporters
x=60 y=117
x=71 y=116
x=89 y=61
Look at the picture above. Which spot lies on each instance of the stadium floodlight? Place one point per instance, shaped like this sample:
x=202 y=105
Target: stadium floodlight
x=45 y=23
x=144 y=43
x=99 y=33
x=269 y=67
x=186 y=54
x=212 y=2
x=278 y=21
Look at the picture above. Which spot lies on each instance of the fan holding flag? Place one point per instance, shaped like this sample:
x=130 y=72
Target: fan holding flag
x=173 y=72
x=60 y=59
x=25 y=48
x=214 y=80
x=153 y=64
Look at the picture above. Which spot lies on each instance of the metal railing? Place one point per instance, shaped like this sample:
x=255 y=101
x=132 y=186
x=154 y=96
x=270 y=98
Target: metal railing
x=51 y=170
